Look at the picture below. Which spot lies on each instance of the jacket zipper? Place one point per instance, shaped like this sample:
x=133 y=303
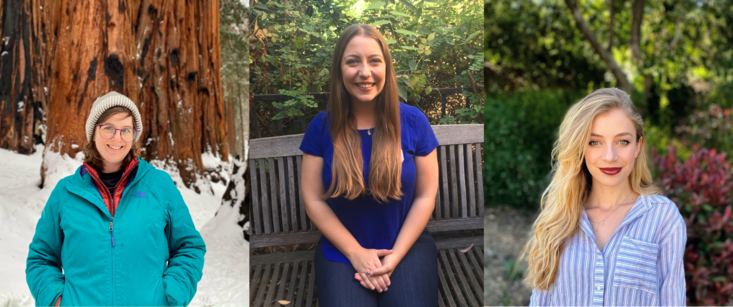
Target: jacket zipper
x=112 y=236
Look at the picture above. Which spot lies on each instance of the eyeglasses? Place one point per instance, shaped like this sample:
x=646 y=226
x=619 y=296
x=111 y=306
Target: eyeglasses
x=108 y=132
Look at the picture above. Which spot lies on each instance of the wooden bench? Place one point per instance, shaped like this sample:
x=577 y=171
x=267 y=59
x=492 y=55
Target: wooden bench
x=278 y=217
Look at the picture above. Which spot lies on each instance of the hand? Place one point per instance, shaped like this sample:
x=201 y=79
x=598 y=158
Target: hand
x=367 y=260
x=373 y=280
x=380 y=274
x=58 y=302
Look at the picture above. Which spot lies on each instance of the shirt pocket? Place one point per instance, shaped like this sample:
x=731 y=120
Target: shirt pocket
x=636 y=266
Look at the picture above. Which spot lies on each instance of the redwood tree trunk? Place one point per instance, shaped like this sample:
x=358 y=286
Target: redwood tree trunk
x=164 y=55
x=22 y=59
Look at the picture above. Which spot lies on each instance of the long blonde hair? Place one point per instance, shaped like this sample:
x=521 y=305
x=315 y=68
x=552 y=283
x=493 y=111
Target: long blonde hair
x=563 y=200
x=385 y=169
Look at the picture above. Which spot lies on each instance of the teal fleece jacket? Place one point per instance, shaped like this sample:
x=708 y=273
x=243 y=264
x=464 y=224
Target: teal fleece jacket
x=149 y=254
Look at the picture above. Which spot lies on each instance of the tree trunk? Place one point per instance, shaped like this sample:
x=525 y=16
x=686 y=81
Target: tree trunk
x=606 y=56
x=635 y=36
x=164 y=55
x=236 y=76
x=635 y=45
x=611 y=23
x=22 y=76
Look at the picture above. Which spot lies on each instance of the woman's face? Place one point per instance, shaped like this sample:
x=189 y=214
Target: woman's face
x=114 y=150
x=612 y=149
x=363 y=68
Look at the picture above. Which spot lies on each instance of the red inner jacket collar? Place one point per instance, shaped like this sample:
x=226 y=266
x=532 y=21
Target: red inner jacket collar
x=110 y=201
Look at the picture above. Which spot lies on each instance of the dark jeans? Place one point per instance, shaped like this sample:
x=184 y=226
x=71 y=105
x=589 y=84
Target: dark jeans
x=414 y=280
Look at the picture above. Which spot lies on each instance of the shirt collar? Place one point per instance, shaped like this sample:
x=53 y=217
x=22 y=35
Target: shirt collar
x=641 y=207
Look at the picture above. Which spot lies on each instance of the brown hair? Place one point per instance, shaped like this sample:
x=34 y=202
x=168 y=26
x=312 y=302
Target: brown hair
x=92 y=156
x=385 y=169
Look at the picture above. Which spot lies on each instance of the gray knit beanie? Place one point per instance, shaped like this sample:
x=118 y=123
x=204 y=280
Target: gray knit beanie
x=107 y=101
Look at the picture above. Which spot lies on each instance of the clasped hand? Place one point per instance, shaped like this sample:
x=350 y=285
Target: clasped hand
x=367 y=260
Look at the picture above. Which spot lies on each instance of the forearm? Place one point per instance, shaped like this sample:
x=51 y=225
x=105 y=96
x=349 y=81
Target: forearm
x=323 y=217
x=415 y=222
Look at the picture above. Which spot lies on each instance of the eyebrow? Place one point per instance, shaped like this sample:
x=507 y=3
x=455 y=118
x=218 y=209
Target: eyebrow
x=109 y=124
x=620 y=134
x=356 y=56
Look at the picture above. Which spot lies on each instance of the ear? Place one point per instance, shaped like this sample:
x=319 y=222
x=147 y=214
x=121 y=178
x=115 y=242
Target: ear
x=638 y=147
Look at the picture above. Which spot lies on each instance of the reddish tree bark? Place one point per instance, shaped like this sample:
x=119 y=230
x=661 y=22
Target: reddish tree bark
x=164 y=55
x=22 y=75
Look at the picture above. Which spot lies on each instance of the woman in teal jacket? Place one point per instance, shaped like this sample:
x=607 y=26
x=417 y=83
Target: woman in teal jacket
x=118 y=228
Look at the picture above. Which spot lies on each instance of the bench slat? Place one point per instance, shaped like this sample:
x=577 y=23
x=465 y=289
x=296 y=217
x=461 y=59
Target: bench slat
x=263 y=284
x=462 y=181
x=471 y=182
x=301 y=205
x=311 y=285
x=254 y=281
x=283 y=199
x=440 y=299
x=293 y=280
x=301 y=286
x=477 y=288
x=288 y=145
x=444 y=184
x=444 y=285
x=453 y=181
x=478 y=264
x=313 y=236
x=454 y=285
x=291 y=200
x=273 y=194
x=255 y=216
x=283 y=280
x=271 y=285
x=460 y=273
x=480 y=179
x=265 y=199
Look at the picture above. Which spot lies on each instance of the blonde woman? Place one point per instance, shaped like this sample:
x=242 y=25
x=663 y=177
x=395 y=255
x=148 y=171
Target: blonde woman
x=605 y=237
x=369 y=179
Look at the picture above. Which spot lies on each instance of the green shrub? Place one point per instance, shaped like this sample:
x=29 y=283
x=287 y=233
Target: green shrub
x=520 y=130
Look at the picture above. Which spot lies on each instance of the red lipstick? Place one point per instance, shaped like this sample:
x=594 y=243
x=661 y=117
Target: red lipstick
x=610 y=170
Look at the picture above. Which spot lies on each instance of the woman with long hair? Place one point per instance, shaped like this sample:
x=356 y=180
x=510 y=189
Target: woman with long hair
x=369 y=179
x=117 y=231
x=605 y=236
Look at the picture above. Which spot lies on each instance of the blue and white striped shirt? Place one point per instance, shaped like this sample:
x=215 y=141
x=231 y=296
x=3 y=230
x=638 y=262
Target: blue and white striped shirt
x=641 y=265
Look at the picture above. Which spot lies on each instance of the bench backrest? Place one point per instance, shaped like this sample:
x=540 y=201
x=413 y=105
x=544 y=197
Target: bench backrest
x=277 y=212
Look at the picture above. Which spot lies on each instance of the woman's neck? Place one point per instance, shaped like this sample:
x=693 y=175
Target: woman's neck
x=606 y=198
x=110 y=167
x=365 y=115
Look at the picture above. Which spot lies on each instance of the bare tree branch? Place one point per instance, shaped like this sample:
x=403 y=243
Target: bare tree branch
x=606 y=56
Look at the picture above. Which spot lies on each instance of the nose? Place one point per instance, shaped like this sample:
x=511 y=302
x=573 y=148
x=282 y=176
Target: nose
x=117 y=135
x=364 y=72
x=610 y=154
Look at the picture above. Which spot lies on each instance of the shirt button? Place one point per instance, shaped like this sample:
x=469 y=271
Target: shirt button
x=599 y=287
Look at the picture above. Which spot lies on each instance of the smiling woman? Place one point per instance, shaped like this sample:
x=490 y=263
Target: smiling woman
x=377 y=157
x=605 y=236
x=87 y=252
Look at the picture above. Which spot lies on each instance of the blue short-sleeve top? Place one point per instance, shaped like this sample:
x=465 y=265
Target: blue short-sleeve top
x=374 y=225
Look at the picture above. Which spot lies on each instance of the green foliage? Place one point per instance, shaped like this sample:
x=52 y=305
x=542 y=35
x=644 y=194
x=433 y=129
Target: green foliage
x=711 y=128
x=474 y=113
x=293 y=107
x=686 y=51
x=433 y=45
x=520 y=131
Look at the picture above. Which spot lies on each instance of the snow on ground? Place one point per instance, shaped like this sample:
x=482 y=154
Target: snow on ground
x=225 y=280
